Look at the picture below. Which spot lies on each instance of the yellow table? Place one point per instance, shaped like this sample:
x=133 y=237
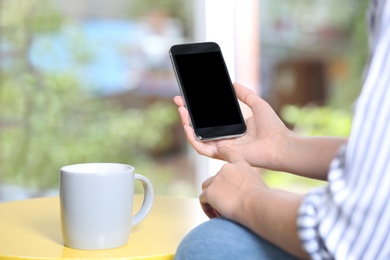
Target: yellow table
x=31 y=229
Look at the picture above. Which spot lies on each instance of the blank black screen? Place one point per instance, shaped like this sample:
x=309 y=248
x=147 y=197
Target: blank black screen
x=208 y=90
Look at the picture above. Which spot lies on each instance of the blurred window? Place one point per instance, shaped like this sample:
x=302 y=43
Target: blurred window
x=88 y=81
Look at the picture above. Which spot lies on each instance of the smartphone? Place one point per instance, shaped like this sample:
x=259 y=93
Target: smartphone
x=207 y=91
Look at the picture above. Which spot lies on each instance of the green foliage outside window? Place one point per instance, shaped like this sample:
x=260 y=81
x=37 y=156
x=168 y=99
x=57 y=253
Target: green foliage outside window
x=48 y=120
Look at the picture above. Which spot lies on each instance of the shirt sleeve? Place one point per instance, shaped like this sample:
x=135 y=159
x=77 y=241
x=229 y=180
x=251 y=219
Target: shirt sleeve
x=350 y=217
x=315 y=207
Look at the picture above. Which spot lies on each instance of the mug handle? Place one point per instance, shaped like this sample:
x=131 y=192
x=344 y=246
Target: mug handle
x=148 y=199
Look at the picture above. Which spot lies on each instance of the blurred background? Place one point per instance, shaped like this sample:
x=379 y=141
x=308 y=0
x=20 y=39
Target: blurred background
x=91 y=81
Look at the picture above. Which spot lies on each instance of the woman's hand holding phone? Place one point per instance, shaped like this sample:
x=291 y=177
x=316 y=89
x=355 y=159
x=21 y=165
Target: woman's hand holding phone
x=259 y=146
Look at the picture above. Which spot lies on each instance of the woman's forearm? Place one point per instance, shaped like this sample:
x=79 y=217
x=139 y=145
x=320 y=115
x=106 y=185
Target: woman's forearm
x=307 y=156
x=272 y=214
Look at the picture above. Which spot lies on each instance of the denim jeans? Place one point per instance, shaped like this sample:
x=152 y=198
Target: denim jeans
x=220 y=238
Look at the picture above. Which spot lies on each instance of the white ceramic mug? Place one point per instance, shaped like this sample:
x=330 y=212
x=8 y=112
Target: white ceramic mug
x=97 y=204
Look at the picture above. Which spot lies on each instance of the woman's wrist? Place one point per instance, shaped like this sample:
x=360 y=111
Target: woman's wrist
x=305 y=156
x=272 y=214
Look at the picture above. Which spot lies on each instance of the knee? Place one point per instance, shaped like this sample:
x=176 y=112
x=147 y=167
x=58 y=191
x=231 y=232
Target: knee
x=217 y=238
x=220 y=238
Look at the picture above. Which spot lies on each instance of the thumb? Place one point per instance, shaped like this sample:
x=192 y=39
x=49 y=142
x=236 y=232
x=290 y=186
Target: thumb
x=229 y=154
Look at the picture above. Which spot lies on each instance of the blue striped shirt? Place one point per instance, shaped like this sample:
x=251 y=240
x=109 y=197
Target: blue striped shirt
x=350 y=217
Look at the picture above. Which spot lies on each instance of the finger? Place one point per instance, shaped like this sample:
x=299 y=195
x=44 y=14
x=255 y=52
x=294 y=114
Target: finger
x=209 y=210
x=188 y=130
x=178 y=101
x=184 y=116
x=229 y=154
x=246 y=95
x=207 y=183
